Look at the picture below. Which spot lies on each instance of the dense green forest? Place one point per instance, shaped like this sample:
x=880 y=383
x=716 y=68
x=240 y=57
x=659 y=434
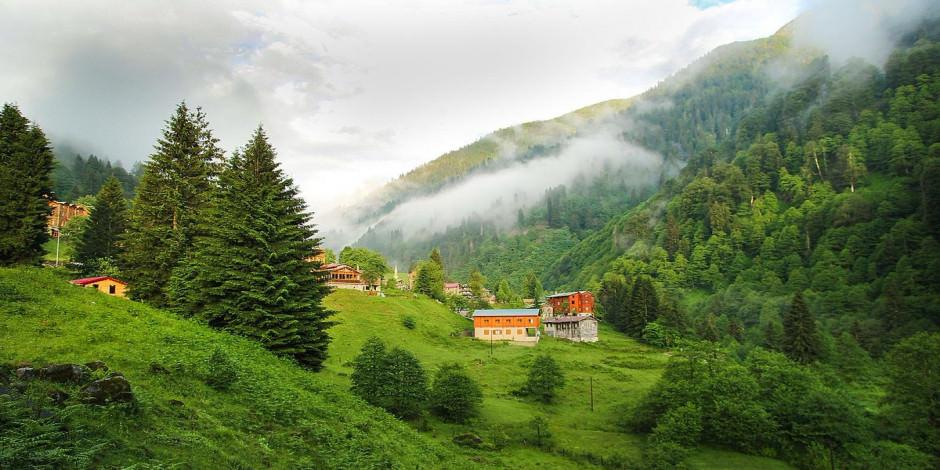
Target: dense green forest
x=76 y=175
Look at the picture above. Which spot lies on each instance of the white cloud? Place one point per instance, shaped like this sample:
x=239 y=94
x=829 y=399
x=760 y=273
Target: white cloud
x=353 y=93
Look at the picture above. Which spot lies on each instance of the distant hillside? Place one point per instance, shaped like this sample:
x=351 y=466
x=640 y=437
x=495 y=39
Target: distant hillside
x=275 y=415
x=700 y=107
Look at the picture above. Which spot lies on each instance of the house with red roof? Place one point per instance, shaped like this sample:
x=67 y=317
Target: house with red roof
x=107 y=284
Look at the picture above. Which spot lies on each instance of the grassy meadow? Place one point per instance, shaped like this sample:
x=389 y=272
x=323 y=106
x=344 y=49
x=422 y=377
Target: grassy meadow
x=618 y=368
x=277 y=415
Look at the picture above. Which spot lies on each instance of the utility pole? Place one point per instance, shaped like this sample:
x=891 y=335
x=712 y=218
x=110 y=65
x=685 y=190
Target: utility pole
x=592 y=393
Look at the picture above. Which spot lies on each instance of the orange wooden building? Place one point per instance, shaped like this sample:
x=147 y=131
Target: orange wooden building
x=571 y=303
x=516 y=324
x=106 y=284
x=61 y=213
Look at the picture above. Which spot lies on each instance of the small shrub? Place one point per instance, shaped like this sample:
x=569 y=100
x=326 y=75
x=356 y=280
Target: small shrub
x=665 y=456
x=409 y=322
x=541 y=436
x=682 y=425
x=468 y=439
x=545 y=377
x=221 y=370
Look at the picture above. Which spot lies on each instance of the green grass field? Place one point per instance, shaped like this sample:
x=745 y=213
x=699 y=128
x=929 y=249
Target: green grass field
x=277 y=415
x=618 y=368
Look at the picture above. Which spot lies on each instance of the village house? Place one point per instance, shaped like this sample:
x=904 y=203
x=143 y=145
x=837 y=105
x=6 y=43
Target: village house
x=342 y=276
x=318 y=257
x=569 y=303
x=61 y=213
x=520 y=324
x=581 y=328
x=452 y=288
x=106 y=284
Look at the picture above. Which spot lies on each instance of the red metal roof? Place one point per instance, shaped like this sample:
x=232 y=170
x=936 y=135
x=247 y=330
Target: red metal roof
x=91 y=280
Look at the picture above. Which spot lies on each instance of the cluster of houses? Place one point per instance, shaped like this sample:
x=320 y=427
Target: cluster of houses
x=568 y=315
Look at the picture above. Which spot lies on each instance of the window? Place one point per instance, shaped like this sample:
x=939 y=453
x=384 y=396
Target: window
x=519 y=331
x=112 y=289
x=95 y=286
x=486 y=332
x=530 y=321
x=497 y=332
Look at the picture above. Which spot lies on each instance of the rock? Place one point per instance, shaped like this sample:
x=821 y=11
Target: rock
x=468 y=439
x=109 y=390
x=97 y=365
x=175 y=402
x=26 y=373
x=62 y=373
x=115 y=373
x=157 y=368
x=58 y=396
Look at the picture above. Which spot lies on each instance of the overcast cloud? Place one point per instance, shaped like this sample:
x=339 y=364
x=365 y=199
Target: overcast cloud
x=352 y=93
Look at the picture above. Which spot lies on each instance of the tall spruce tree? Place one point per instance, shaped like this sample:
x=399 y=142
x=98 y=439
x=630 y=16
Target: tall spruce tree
x=800 y=339
x=173 y=190
x=102 y=237
x=26 y=164
x=247 y=273
x=643 y=307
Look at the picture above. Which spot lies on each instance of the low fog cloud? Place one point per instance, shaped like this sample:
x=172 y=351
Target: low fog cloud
x=867 y=29
x=497 y=196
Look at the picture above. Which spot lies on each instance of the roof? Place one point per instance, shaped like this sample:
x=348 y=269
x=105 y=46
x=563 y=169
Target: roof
x=91 y=280
x=507 y=312
x=568 y=319
x=566 y=294
x=335 y=266
x=452 y=285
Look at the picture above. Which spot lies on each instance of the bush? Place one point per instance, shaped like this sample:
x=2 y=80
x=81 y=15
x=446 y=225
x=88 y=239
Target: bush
x=455 y=396
x=665 y=456
x=409 y=322
x=221 y=370
x=682 y=425
x=540 y=435
x=545 y=377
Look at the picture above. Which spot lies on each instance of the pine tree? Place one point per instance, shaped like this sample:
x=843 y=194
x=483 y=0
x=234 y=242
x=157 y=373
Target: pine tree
x=533 y=287
x=643 y=307
x=504 y=293
x=370 y=375
x=104 y=229
x=174 y=189
x=708 y=329
x=436 y=258
x=800 y=340
x=407 y=386
x=247 y=273
x=614 y=297
x=429 y=280
x=26 y=164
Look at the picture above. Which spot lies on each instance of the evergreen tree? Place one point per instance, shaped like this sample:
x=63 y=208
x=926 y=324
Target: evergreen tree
x=643 y=307
x=247 y=273
x=533 y=288
x=174 y=189
x=407 y=386
x=614 y=298
x=370 y=374
x=801 y=341
x=436 y=258
x=26 y=164
x=101 y=238
x=454 y=395
x=477 y=284
x=913 y=392
x=504 y=293
x=735 y=330
x=544 y=379
x=708 y=329
x=429 y=280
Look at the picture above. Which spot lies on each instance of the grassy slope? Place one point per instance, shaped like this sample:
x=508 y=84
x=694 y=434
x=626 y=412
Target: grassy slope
x=277 y=415
x=622 y=371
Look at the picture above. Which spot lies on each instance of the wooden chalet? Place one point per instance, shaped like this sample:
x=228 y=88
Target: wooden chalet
x=342 y=276
x=515 y=324
x=61 y=213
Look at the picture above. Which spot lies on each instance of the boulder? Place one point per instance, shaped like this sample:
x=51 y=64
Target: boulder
x=63 y=373
x=58 y=396
x=157 y=368
x=109 y=390
x=26 y=373
x=468 y=439
x=97 y=365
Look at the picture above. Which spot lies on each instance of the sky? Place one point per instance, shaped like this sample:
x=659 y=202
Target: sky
x=352 y=93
